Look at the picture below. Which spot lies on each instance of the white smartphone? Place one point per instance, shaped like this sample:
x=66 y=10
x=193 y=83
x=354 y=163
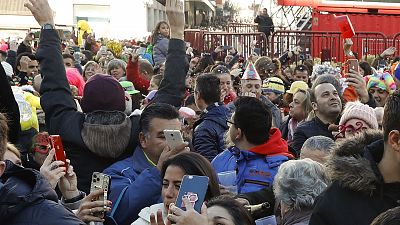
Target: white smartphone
x=173 y=137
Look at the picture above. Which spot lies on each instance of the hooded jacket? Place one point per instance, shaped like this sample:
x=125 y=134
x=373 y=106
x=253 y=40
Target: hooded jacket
x=209 y=130
x=27 y=198
x=358 y=193
x=256 y=167
x=88 y=138
x=160 y=50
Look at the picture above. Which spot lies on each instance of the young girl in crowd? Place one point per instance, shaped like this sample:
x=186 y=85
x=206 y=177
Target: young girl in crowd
x=160 y=41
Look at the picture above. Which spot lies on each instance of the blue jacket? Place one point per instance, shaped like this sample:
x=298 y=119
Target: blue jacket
x=135 y=184
x=26 y=197
x=256 y=167
x=160 y=50
x=209 y=130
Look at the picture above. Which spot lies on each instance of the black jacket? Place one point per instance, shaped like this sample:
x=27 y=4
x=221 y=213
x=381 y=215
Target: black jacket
x=78 y=130
x=12 y=58
x=309 y=129
x=265 y=24
x=9 y=107
x=22 y=48
x=27 y=198
x=358 y=193
x=209 y=130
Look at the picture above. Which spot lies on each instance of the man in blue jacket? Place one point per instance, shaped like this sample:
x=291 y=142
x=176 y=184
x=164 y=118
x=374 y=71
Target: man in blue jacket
x=136 y=181
x=258 y=149
x=209 y=130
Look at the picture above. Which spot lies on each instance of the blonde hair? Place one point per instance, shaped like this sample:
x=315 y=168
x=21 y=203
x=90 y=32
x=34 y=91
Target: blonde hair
x=13 y=149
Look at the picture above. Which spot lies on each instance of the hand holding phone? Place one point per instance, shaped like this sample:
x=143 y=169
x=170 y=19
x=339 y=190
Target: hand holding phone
x=173 y=138
x=193 y=188
x=352 y=64
x=56 y=143
x=100 y=181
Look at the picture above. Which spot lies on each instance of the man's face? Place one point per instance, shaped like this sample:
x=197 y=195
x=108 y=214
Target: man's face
x=264 y=12
x=228 y=59
x=328 y=102
x=301 y=76
x=33 y=68
x=154 y=141
x=68 y=63
x=379 y=95
x=252 y=86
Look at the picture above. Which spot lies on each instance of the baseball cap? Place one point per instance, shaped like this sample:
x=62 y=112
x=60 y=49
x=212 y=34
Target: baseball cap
x=128 y=87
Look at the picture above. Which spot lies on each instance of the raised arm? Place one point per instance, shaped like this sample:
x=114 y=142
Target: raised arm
x=172 y=87
x=56 y=101
x=9 y=107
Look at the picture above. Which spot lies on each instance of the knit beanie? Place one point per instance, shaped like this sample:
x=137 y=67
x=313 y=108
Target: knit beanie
x=103 y=92
x=357 y=110
x=273 y=84
x=382 y=81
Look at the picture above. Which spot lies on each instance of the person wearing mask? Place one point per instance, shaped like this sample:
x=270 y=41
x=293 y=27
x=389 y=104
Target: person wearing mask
x=172 y=173
x=296 y=186
x=102 y=134
x=142 y=169
x=209 y=130
x=365 y=174
x=257 y=147
x=327 y=106
x=355 y=119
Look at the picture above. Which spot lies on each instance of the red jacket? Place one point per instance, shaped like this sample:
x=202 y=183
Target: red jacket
x=134 y=76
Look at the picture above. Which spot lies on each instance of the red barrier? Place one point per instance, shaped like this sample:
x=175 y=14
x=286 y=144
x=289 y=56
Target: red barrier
x=195 y=38
x=244 y=42
x=396 y=43
x=327 y=45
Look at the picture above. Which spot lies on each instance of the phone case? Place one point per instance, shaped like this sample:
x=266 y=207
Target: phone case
x=352 y=64
x=100 y=181
x=194 y=188
x=173 y=137
x=56 y=143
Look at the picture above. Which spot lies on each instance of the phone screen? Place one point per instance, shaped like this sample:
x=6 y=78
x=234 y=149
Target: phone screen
x=194 y=188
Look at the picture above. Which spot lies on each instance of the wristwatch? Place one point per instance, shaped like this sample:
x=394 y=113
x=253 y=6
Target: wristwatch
x=48 y=26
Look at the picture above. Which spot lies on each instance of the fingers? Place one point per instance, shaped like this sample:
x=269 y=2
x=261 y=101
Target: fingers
x=95 y=194
x=160 y=220
x=204 y=209
x=153 y=219
x=187 y=204
x=49 y=157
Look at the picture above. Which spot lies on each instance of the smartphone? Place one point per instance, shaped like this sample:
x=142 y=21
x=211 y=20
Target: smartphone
x=174 y=138
x=100 y=181
x=352 y=65
x=56 y=143
x=194 y=188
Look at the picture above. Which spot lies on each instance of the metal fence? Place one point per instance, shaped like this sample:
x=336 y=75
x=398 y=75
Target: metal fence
x=195 y=38
x=241 y=28
x=327 y=45
x=396 y=43
x=244 y=42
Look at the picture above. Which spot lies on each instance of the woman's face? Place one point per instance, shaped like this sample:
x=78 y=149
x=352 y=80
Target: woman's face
x=217 y=215
x=296 y=109
x=117 y=72
x=171 y=184
x=90 y=71
x=164 y=29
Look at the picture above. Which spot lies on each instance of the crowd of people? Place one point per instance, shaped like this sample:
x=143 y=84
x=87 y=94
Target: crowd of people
x=306 y=143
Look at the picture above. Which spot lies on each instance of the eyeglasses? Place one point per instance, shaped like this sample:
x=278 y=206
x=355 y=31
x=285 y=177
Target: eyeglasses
x=230 y=122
